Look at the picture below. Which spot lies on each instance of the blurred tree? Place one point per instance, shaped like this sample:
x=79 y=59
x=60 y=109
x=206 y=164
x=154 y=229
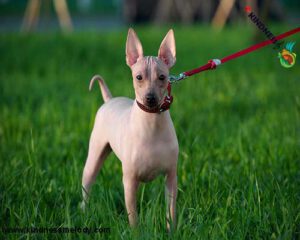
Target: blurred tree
x=32 y=12
x=222 y=13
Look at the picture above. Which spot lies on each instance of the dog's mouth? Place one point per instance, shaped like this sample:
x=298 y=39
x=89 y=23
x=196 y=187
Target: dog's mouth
x=155 y=104
x=150 y=101
x=151 y=106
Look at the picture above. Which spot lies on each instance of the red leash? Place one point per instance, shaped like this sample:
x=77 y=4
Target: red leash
x=212 y=64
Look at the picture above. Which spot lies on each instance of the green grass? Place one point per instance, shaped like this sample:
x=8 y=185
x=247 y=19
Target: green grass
x=238 y=129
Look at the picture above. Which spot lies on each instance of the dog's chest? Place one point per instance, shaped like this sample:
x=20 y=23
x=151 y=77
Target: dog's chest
x=155 y=157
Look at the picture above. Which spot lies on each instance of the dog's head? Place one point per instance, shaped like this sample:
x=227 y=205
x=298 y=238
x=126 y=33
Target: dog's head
x=150 y=74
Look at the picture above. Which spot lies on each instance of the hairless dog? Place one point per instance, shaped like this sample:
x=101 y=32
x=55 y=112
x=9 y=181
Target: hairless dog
x=142 y=138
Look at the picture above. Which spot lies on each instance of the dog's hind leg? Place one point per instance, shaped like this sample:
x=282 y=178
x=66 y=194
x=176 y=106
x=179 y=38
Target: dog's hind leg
x=98 y=151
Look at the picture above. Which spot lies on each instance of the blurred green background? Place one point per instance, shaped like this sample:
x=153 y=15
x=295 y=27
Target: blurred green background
x=238 y=129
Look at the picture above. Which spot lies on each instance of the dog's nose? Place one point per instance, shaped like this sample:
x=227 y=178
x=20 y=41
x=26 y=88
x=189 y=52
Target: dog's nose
x=150 y=98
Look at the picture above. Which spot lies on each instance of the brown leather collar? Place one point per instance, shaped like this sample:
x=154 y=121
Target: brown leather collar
x=148 y=110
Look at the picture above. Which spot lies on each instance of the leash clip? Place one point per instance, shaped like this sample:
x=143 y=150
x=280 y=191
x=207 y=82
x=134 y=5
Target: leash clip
x=175 y=79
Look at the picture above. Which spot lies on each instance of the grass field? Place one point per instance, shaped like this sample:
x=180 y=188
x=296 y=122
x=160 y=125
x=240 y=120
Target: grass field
x=238 y=129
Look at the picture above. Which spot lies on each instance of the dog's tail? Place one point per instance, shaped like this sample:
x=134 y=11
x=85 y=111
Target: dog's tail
x=103 y=87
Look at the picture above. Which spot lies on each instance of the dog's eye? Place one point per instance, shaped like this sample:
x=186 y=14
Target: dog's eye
x=139 y=77
x=161 y=77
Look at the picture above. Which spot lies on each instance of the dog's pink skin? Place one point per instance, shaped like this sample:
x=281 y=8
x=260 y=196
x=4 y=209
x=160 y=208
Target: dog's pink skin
x=146 y=143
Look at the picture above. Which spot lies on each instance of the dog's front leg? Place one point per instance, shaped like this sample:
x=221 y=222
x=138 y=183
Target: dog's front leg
x=171 y=194
x=130 y=190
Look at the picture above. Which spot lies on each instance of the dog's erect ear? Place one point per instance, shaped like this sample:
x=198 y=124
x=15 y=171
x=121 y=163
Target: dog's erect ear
x=167 y=50
x=134 y=49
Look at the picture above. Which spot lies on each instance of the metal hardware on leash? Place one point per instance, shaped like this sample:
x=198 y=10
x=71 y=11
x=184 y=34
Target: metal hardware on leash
x=175 y=79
